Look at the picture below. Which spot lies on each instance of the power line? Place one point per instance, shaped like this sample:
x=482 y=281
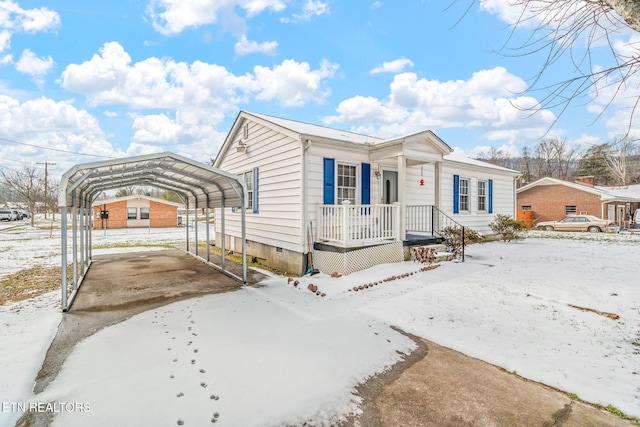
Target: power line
x=55 y=149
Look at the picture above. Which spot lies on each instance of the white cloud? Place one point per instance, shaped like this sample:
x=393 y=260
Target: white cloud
x=293 y=83
x=14 y=19
x=192 y=132
x=58 y=125
x=376 y=5
x=394 y=66
x=485 y=101
x=30 y=64
x=244 y=47
x=5 y=40
x=174 y=16
x=112 y=78
x=310 y=10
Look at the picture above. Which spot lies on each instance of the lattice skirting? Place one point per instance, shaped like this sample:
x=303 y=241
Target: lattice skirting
x=358 y=259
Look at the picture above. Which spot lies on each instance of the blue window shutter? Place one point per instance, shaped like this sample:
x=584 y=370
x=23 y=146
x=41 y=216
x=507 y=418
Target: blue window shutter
x=329 y=181
x=255 y=190
x=366 y=184
x=456 y=194
x=490 y=207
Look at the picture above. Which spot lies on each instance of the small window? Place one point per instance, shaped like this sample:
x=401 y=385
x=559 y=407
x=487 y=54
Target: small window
x=132 y=213
x=144 y=213
x=245 y=131
x=464 y=194
x=278 y=250
x=570 y=210
x=347 y=183
x=482 y=195
x=526 y=207
x=248 y=182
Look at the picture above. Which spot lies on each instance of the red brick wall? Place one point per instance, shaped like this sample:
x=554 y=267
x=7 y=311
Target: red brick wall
x=160 y=215
x=117 y=215
x=548 y=202
x=163 y=215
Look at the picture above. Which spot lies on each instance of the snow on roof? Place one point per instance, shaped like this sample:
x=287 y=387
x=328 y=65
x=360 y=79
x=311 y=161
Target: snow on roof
x=319 y=131
x=623 y=191
x=473 y=162
x=629 y=193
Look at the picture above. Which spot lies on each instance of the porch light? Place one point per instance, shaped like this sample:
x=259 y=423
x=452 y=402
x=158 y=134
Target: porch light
x=242 y=147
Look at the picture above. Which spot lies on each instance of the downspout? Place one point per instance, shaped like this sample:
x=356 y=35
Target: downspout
x=304 y=207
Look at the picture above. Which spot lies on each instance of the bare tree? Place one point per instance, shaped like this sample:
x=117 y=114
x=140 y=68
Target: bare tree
x=573 y=29
x=496 y=157
x=621 y=159
x=27 y=185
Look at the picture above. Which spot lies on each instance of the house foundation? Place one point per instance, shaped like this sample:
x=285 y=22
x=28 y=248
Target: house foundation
x=331 y=259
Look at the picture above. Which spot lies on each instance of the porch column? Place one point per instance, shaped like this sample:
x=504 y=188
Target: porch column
x=402 y=184
x=438 y=184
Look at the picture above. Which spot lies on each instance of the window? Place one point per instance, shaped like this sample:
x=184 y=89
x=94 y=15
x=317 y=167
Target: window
x=250 y=180
x=482 y=195
x=568 y=210
x=526 y=207
x=464 y=194
x=347 y=183
x=144 y=213
x=132 y=213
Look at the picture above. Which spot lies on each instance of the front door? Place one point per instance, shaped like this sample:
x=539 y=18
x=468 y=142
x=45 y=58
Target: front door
x=389 y=187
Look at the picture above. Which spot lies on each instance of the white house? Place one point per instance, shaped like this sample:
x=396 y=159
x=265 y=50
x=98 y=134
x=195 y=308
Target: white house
x=354 y=199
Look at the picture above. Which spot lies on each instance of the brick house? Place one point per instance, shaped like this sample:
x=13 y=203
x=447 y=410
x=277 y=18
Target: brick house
x=550 y=199
x=135 y=211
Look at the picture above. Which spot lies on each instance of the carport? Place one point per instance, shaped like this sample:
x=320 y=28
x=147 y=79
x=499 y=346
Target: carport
x=200 y=186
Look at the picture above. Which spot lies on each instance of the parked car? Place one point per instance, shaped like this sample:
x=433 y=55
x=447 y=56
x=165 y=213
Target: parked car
x=23 y=214
x=16 y=215
x=6 y=216
x=577 y=223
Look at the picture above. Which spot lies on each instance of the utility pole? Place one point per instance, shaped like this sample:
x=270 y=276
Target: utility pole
x=46 y=185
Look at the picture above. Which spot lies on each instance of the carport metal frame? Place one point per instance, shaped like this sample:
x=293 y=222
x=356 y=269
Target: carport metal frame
x=197 y=183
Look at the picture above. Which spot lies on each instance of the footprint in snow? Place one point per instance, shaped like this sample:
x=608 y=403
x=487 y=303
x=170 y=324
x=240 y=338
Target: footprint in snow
x=180 y=422
x=214 y=397
x=180 y=394
x=204 y=385
x=202 y=371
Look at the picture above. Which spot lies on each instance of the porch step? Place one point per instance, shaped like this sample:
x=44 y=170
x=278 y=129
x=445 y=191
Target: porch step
x=441 y=252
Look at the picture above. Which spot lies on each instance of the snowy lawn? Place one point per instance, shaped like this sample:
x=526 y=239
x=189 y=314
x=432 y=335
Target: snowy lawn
x=279 y=354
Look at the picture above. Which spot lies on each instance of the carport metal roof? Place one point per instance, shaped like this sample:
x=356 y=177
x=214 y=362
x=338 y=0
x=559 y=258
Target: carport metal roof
x=204 y=185
x=201 y=186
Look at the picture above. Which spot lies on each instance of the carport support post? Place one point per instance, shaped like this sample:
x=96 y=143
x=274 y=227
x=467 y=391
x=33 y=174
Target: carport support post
x=244 y=247
x=222 y=234
x=195 y=227
x=82 y=233
x=74 y=212
x=206 y=220
x=187 y=221
x=63 y=237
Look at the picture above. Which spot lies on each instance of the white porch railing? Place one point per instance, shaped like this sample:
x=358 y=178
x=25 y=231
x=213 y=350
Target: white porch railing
x=354 y=225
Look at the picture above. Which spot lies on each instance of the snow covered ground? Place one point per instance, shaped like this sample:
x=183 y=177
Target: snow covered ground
x=281 y=355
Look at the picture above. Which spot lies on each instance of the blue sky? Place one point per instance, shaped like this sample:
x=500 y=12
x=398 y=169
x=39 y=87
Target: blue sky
x=87 y=81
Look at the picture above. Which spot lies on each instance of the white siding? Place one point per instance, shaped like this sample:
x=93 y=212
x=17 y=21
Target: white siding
x=416 y=194
x=315 y=179
x=278 y=158
x=503 y=195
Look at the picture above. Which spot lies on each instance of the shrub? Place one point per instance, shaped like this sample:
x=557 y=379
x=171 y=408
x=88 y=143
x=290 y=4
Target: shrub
x=453 y=238
x=508 y=228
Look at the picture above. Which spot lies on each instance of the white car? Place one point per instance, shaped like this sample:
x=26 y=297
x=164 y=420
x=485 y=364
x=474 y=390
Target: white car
x=6 y=216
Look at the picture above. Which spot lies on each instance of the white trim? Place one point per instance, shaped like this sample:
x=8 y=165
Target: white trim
x=358 y=188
